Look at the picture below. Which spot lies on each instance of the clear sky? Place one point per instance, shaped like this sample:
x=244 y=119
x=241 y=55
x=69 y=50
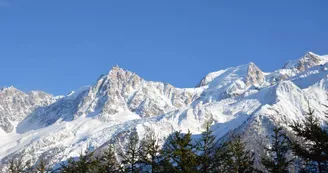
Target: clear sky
x=61 y=45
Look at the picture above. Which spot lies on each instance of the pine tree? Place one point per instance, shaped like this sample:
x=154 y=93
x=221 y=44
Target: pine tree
x=41 y=167
x=108 y=162
x=276 y=161
x=18 y=165
x=237 y=158
x=165 y=164
x=222 y=158
x=312 y=142
x=149 y=153
x=130 y=158
x=85 y=164
x=179 y=154
x=206 y=148
x=69 y=167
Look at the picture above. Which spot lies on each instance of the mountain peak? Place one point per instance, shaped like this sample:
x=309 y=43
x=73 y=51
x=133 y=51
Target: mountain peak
x=117 y=72
x=252 y=65
x=309 y=53
x=10 y=88
x=310 y=56
x=307 y=61
x=117 y=78
x=255 y=75
x=116 y=68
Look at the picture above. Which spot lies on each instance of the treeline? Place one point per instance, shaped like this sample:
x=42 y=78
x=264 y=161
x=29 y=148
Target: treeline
x=307 y=152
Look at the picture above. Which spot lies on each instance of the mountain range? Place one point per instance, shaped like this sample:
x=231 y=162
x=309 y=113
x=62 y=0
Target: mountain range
x=242 y=100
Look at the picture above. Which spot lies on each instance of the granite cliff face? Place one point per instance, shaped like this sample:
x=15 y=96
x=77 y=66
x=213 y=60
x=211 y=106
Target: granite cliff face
x=240 y=99
x=254 y=75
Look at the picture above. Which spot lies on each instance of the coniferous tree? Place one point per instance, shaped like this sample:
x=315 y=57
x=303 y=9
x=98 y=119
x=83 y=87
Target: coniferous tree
x=237 y=158
x=222 y=157
x=108 y=162
x=18 y=165
x=130 y=158
x=69 y=167
x=276 y=161
x=312 y=142
x=41 y=167
x=150 y=153
x=206 y=148
x=179 y=156
x=84 y=164
x=165 y=164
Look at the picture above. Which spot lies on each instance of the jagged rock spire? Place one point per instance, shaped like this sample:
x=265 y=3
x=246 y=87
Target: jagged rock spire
x=255 y=75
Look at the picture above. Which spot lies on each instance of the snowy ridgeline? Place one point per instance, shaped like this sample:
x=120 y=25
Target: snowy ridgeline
x=241 y=100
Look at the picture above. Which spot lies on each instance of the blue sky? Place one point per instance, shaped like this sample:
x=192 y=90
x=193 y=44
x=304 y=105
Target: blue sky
x=59 y=46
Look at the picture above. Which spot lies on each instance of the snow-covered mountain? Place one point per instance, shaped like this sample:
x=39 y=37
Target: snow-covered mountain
x=15 y=105
x=241 y=99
